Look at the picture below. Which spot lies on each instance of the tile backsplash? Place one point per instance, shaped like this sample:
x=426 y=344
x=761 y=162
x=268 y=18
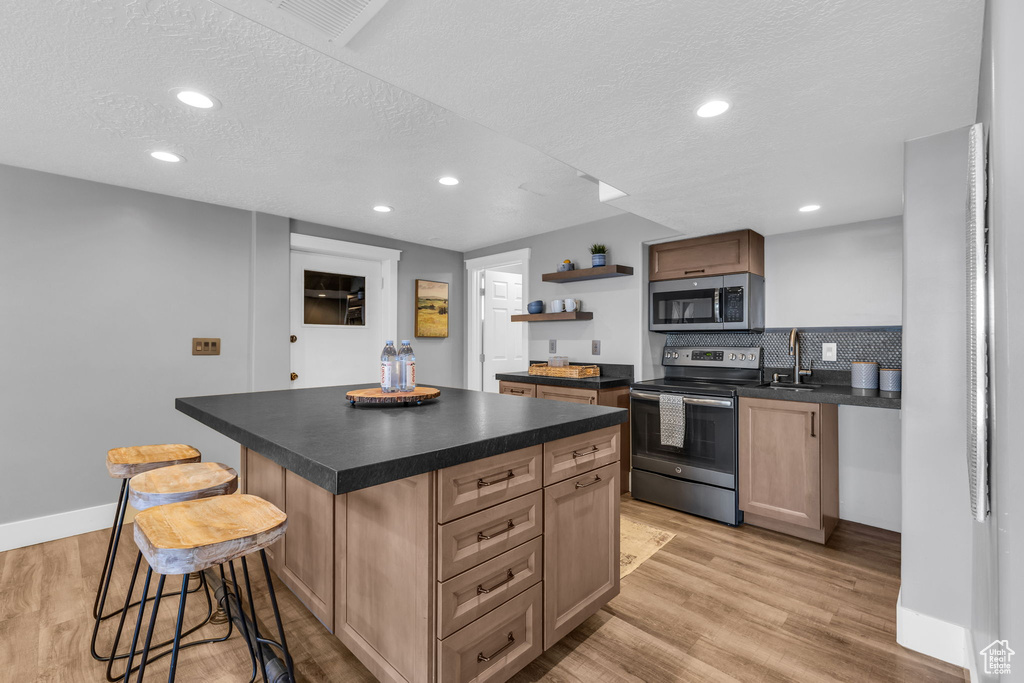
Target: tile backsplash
x=883 y=345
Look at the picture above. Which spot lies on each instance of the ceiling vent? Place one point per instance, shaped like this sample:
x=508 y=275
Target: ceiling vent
x=338 y=20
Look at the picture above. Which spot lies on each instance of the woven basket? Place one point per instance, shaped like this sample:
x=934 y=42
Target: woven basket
x=573 y=371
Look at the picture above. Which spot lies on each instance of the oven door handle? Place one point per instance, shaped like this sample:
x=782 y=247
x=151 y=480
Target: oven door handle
x=718 y=314
x=711 y=402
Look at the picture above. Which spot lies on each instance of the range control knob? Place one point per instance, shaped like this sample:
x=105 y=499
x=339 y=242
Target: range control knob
x=732 y=356
x=675 y=354
x=743 y=356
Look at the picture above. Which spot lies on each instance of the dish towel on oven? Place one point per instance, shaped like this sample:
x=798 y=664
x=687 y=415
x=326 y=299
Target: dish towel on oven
x=673 y=419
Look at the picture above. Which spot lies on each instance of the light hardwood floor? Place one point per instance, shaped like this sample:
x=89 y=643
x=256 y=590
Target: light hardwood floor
x=715 y=604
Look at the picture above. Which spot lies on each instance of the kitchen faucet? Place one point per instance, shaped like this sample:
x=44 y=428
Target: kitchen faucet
x=794 y=350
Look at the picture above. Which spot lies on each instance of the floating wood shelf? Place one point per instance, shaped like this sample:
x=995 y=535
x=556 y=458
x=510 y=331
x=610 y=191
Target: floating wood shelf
x=599 y=273
x=547 y=317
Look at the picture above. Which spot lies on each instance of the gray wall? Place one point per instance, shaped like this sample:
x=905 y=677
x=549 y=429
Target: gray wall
x=998 y=593
x=615 y=302
x=438 y=361
x=847 y=276
x=936 y=558
x=101 y=290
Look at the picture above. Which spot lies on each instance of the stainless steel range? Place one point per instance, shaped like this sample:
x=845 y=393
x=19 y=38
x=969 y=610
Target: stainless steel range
x=685 y=441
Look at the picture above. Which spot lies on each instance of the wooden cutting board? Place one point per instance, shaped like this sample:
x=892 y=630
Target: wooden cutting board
x=375 y=396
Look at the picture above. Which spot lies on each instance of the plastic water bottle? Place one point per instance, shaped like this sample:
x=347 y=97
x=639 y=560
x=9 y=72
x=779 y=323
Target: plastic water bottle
x=389 y=374
x=407 y=364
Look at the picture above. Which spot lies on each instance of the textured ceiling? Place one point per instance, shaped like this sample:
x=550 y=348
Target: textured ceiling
x=87 y=94
x=824 y=93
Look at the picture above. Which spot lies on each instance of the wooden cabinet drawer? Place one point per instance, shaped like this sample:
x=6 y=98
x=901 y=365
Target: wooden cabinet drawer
x=740 y=251
x=495 y=646
x=578 y=454
x=568 y=394
x=467 y=542
x=472 y=486
x=517 y=389
x=477 y=591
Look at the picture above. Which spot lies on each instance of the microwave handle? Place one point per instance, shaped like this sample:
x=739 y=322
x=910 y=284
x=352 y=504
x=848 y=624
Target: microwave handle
x=718 y=315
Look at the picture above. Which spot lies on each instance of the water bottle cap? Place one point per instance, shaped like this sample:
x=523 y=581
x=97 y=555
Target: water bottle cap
x=405 y=342
x=389 y=342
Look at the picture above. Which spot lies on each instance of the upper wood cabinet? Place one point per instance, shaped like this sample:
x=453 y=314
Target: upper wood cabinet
x=731 y=252
x=789 y=466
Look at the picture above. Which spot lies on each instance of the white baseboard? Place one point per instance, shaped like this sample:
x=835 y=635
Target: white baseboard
x=51 y=527
x=931 y=636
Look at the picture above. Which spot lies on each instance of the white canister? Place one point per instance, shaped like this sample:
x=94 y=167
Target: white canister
x=557 y=306
x=890 y=379
x=864 y=375
x=570 y=305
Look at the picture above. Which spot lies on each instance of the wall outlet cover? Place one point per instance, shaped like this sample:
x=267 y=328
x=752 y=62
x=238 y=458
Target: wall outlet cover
x=595 y=347
x=828 y=351
x=552 y=346
x=205 y=346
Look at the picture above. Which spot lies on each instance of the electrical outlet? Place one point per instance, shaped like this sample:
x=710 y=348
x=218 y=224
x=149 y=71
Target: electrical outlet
x=205 y=346
x=595 y=347
x=828 y=352
x=552 y=346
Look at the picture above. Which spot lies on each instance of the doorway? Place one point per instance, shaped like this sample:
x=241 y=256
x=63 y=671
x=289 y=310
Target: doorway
x=498 y=289
x=343 y=305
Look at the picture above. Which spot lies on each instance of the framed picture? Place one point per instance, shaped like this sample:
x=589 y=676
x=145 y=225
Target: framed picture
x=431 y=308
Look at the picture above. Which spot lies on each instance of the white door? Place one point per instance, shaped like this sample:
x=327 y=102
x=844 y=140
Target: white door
x=337 y=316
x=503 y=339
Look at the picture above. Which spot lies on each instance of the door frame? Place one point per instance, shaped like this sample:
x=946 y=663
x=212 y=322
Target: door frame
x=474 y=320
x=388 y=259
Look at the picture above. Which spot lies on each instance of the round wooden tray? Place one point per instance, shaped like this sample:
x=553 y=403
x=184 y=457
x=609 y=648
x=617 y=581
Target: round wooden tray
x=377 y=397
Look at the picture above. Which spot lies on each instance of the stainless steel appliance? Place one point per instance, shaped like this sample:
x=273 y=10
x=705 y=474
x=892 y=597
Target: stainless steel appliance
x=700 y=477
x=723 y=302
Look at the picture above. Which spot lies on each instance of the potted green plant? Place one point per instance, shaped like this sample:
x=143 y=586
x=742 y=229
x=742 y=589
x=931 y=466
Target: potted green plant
x=598 y=252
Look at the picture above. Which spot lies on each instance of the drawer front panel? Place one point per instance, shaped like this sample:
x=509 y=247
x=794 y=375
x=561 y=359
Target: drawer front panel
x=495 y=646
x=477 y=591
x=567 y=394
x=517 y=389
x=473 y=486
x=579 y=454
x=468 y=541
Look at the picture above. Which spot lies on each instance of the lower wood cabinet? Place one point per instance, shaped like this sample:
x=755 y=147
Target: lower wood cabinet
x=581 y=549
x=568 y=394
x=789 y=466
x=517 y=389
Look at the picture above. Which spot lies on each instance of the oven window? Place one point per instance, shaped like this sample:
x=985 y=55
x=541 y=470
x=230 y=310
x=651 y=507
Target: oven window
x=709 y=441
x=674 y=308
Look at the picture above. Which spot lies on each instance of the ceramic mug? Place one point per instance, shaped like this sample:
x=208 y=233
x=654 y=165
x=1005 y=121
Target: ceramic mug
x=571 y=305
x=556 y=306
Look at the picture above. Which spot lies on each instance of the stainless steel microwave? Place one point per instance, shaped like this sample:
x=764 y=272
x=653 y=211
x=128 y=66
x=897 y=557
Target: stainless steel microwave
x=708 y=304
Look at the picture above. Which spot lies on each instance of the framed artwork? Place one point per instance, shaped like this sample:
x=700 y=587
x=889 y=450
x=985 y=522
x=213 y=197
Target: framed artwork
x=431 y=308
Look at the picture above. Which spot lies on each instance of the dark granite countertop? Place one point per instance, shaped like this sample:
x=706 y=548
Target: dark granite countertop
x=828 y=393
x=319 y=436
x=581 y=383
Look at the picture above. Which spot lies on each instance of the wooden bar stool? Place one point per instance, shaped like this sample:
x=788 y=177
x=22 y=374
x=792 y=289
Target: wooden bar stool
x=125 y=463
x=173 y=484
x=187 y=537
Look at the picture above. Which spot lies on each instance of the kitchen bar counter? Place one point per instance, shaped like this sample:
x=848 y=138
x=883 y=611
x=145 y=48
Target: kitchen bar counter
x=316 y=434
x=828 y=393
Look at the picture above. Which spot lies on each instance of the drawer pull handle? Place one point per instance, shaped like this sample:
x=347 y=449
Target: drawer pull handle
x=812 y=426
x=687 y=272
x=481 y=483
x=581 y=485
x=517 y=391
x=578 y=454
x=481 y=536
x=480 y=590
x=486 y=658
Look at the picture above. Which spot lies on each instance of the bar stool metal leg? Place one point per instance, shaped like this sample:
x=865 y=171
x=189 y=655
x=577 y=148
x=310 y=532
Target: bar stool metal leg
x=138 y=624
x=177 y=630
x=149 y=632
x=114 y=526
x=250 y=639
x=277 y=614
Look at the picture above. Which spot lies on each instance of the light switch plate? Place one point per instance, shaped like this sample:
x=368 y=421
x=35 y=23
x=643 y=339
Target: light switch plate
x=828 y=351
x=205 y=346
x=595 y=347
x=552 y=346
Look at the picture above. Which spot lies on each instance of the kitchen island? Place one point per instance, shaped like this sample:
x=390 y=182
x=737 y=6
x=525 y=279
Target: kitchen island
x=453 y=541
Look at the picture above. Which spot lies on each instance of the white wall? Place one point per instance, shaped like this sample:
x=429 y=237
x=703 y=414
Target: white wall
x=845 y=276
x=615 y=302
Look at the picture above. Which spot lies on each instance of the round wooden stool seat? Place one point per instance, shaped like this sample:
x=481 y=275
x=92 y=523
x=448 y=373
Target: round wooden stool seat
x=177 y=483
x=187 y=537
x=126 y=462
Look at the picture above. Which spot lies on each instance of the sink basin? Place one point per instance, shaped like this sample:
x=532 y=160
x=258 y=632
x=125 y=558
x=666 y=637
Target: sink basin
x=789 y=386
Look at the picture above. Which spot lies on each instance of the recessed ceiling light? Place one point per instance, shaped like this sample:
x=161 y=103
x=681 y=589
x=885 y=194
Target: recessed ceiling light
x=194 y=98
x=381 y=208
x=712 y=108
x=169 y=157
x=809 y=208
x=448 y=180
